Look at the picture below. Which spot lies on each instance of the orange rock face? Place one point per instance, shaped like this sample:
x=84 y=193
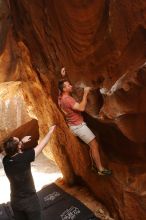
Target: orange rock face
x=102 y=44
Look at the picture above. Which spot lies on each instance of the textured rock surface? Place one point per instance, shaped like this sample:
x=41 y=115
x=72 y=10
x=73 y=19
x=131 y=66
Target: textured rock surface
x=102 y=44
x=13 y=111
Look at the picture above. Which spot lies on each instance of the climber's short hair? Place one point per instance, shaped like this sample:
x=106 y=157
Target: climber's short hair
x=61 y=84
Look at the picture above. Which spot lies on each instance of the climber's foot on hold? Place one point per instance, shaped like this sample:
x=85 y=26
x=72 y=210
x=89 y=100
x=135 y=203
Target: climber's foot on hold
x=103 y=172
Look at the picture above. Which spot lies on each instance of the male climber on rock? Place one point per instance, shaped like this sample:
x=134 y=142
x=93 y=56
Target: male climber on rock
x=72 y=110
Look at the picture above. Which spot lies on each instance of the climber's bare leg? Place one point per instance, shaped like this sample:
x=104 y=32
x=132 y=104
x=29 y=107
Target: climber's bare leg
x=94 y=147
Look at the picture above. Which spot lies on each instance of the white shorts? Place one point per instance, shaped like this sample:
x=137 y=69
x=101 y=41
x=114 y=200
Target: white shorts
x=83 y=132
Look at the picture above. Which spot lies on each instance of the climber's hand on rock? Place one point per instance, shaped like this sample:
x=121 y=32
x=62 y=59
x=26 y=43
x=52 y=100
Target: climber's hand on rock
x=87 y=90
x=63 y=73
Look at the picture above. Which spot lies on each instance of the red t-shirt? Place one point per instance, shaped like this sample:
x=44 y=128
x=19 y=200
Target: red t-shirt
x=66 y=103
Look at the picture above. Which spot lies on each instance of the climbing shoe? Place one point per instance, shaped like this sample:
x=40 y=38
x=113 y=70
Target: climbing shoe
x=104 y=172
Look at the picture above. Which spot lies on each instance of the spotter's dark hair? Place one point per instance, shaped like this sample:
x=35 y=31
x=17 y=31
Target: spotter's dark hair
x=10 y=146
